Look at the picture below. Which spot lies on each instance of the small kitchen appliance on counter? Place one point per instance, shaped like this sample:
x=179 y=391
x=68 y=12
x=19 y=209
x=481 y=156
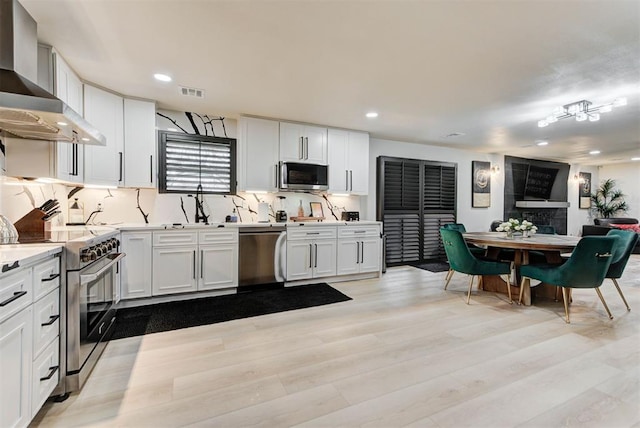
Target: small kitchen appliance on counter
x=351 y=216
x=281 y=214
x=263 y=212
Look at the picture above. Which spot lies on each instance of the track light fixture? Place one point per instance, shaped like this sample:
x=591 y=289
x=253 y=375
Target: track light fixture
x=581 y=110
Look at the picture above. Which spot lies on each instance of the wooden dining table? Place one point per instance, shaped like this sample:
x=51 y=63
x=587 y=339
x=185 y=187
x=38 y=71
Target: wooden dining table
x=551 y=246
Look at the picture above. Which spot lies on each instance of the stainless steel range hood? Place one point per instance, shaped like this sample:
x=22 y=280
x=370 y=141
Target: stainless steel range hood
x=27 y=110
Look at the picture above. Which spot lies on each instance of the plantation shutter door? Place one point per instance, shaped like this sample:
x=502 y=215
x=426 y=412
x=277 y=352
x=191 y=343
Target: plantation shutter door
x=439 y=206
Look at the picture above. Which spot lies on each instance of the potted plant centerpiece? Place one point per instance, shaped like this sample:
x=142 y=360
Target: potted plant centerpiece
x=514 y=225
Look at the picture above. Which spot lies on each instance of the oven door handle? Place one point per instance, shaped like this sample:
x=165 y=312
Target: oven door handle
x=93 y=276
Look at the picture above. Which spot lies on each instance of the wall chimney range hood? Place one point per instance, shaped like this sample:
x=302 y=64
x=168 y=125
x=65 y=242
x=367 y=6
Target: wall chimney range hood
x=26 y=110
x=542 y=204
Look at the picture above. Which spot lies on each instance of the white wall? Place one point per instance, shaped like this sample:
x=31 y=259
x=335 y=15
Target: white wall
x=577 y=217
x=474 y=219
x=627 y=176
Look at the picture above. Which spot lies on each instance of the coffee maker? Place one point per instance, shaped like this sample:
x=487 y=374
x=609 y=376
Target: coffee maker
x=281 y=214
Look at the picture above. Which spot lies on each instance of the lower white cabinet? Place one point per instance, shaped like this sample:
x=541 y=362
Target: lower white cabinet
x=218 y=266
x=359 y=249
x=15 y=369
x=311 y=252
x=174 y=269
x=135 y=275
x=29 y=339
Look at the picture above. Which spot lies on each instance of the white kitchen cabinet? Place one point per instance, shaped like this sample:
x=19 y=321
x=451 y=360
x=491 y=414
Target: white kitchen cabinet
x=15 y=369
x=303 y=143
x=104 y=165
x=258 y=143
x=349 y=160
x=218 y=258
x=311 y=252
x=68 y=87
x=139 y=143
x=359 y=249
x=174 y=269
x=135 y=275
x=45 y=375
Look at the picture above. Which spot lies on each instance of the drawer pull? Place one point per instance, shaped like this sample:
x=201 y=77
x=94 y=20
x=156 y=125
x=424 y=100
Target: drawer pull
x=51 y=277
x=52 y=371
x=313 y=233
x=16 y=296
x=359 y=231
x=7 y=268
x=52 y=319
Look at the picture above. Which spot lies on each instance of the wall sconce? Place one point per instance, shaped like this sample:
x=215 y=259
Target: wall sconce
x=495 y=170
x=577 y=178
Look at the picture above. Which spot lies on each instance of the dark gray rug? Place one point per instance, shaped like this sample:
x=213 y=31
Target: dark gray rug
x=436 y=266
x=209 y=310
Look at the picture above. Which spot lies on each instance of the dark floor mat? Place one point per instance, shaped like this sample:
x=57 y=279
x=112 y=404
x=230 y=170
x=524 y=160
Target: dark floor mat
x=209 y=310
x=433 y=266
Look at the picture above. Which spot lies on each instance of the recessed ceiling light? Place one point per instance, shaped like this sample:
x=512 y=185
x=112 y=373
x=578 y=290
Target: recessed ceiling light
x=372 y=114
x=62 y=123
x=85 y=139
x=162 y=77
x=172 y=129
x=594 y=152
x=542 y=143
x=635 y=159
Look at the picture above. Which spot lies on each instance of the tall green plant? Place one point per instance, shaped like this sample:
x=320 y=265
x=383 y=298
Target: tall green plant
x=608 y=201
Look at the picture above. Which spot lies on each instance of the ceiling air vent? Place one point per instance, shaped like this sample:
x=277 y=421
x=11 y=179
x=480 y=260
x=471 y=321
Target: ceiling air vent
x=192 y=92
x=454 y=134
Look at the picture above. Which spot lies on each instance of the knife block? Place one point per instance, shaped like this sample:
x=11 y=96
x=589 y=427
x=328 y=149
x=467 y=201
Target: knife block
x=32 y=228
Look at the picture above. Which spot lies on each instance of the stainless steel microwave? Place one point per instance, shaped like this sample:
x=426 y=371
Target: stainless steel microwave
x=303 y=176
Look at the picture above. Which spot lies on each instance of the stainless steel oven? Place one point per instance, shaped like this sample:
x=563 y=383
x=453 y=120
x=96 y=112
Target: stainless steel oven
x=92 y=269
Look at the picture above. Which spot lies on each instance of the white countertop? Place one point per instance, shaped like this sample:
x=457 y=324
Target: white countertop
x=170 y=226
x=26 y=254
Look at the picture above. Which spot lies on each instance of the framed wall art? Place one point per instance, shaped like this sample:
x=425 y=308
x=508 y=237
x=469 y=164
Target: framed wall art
x=481 y=184
x=584 y=190
x=316 y=210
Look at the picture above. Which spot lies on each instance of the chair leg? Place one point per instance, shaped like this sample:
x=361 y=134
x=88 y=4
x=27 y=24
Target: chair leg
x=565 y=299
x=620 y=292
x=448 y=278
x=604 y=303
x=521 y=290
x=469 y=292
x=509 y=288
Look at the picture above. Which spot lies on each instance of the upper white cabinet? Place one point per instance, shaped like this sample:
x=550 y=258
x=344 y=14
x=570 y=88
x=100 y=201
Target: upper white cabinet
x=303 y=143
x=104 y=165
x=258 y=154
x=349 y=160
x=139 y=143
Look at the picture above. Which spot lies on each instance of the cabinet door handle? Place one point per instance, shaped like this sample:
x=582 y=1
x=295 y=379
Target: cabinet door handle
x=306 y=143
x=362 y=252
x=52 y=371
x=151 y=168
x=277 y=181
x=194 y=264
x=7 y=268
x=51 y=277
x=351 y=180
x=310 y=255
x=301 y=151
x=201 y=263
x=358 y=252
x=316 y=255
x=16 y=296
x=52 y=319
x=346 y=179
x=73 y=159
x=120 y=173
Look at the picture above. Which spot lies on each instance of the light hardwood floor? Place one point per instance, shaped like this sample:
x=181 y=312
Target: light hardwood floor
x=403 y=352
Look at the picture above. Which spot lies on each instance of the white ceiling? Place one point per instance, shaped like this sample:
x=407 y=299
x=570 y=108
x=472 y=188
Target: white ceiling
x=488 y=69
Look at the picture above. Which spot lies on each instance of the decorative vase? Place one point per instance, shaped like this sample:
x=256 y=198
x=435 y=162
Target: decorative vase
x=509 y=234
x=8 y=232
x=525 y=233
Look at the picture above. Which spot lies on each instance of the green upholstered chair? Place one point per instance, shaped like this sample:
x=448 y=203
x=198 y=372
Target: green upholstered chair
x=586 y=268
x=461 y=260
x=627 y=240
x=475 y=250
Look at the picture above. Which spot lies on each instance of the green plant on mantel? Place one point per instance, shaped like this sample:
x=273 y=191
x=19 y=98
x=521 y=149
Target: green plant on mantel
x=608 y=201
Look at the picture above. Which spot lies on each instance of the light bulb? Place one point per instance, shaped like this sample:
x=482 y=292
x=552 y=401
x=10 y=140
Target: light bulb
x=594 y=117
x=606 y=108
x=581 y=116
x=619 y=102
x=542 y=123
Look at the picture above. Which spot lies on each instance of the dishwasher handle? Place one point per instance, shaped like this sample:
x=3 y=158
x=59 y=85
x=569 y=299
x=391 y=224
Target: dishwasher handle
x=279 y=256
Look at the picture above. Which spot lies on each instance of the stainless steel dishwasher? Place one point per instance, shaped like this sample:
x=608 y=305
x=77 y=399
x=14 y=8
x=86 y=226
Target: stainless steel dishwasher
x=262 y=256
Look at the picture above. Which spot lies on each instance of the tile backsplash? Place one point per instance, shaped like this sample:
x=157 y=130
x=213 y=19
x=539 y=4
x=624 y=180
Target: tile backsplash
x=131 y=205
